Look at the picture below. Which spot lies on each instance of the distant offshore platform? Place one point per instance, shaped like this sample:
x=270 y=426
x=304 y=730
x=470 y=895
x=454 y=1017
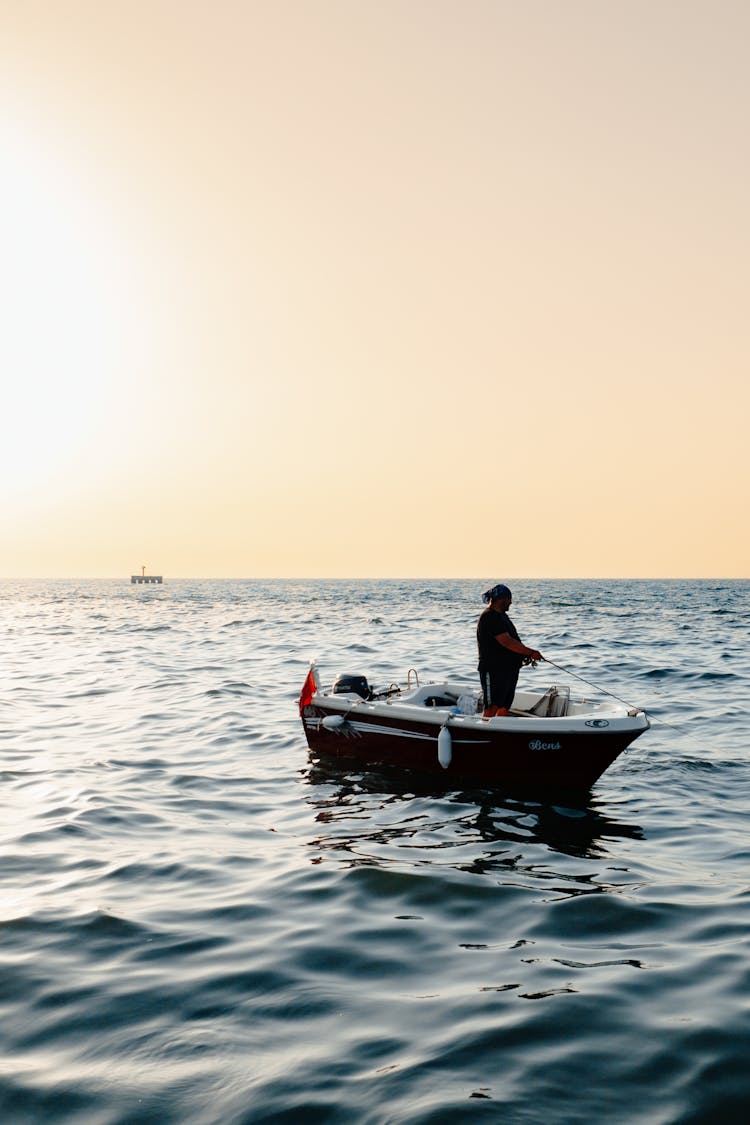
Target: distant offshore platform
x=143 y=578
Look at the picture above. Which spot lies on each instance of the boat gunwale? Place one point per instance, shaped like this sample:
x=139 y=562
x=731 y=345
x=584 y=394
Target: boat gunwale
x=617 y=720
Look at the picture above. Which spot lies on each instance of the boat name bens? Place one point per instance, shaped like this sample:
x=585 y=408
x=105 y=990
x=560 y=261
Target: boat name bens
x=537 y=744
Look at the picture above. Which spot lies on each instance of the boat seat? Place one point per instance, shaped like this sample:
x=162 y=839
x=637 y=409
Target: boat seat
x=428 y=696
x=553 y=704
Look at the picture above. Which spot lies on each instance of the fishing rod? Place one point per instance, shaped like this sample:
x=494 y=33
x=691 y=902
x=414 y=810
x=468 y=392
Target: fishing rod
x=597 y=687
x=568 y=672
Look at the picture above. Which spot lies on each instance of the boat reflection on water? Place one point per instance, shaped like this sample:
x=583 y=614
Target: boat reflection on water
x=371 y=817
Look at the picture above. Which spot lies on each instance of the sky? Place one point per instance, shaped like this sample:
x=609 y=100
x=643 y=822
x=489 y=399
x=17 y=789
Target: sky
x=382 y=288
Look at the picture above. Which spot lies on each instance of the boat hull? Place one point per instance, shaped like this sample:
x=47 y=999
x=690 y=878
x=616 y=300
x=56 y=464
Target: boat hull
x=509 y=752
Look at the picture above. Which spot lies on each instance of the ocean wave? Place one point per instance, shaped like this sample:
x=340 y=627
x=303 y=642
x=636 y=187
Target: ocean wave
x=201 y=922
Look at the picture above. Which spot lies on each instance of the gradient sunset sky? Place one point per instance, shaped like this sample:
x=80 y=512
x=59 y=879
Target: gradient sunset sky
x=375 y=288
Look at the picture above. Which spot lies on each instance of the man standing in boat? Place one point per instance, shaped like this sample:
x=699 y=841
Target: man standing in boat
x=501 y=652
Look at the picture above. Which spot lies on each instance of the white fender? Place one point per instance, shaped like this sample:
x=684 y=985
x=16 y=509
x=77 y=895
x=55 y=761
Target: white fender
x=445 y=751
x=333 y=722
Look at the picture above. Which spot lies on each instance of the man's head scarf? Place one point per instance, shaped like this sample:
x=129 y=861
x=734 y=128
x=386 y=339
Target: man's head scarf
x=499 y=591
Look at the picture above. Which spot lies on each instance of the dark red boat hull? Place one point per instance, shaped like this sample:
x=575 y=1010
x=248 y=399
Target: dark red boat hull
x=485 y=757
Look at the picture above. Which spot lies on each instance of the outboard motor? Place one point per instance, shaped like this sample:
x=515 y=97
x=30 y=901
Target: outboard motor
x=356 y=684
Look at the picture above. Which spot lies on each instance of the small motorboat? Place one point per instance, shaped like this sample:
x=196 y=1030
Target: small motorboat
x=549 y=738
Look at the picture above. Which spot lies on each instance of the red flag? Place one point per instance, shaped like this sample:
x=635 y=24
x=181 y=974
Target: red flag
x=308 y=690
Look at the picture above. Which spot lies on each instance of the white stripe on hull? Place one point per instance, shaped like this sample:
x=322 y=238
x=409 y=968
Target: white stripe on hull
x=397 y=732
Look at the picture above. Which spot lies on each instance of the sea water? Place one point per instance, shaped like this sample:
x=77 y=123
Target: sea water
x=200 y=923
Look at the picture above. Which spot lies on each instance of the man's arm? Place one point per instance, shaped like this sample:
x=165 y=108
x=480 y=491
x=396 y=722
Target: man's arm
x=507 y=641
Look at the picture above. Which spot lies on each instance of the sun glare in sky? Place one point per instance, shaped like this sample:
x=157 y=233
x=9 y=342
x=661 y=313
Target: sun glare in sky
x=60 y=319
x=402 y=289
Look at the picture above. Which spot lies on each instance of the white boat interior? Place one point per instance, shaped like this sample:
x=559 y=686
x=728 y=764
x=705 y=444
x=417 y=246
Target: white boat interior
x=460 y=703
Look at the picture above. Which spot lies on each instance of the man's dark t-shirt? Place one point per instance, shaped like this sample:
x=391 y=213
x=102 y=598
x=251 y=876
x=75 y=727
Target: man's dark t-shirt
x=494 y=657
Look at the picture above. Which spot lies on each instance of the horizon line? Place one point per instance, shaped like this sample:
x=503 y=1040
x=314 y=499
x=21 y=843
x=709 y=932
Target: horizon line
x=376 y=578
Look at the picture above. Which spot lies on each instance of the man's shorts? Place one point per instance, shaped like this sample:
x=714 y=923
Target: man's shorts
x=498 y=687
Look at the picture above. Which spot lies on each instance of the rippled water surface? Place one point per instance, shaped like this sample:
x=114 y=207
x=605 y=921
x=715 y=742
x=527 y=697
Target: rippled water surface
x=201 y=924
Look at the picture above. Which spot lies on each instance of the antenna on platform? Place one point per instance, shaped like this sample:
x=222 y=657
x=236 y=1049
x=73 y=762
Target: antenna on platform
x=140 y=579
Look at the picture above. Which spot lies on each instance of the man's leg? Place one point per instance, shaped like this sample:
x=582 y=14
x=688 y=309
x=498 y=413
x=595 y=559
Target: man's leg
x=489 y=708
x=501 y=689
